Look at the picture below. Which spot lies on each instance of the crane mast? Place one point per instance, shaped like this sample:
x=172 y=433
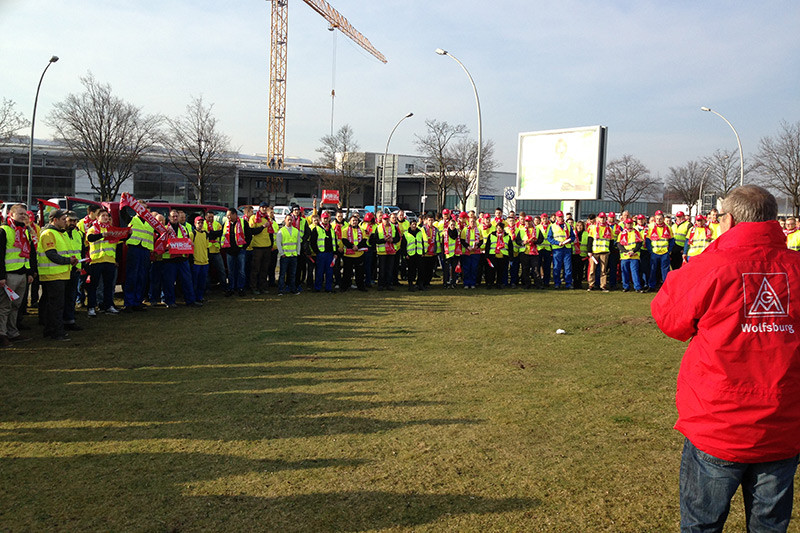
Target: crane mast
x=276 y=133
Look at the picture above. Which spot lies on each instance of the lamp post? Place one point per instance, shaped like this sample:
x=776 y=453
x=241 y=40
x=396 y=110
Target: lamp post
x=738 y=141
x=477 y=203
x=33 y=123
x=383 y=166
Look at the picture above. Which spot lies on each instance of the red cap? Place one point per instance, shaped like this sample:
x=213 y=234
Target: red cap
x=641 y=217
x=611 y=214
x=659 y=212
x=559 y=213
x=699 y=217
x=528 y=218
x=543 y=215
x=385 y=216
x=629 y=221
x=679 y=214
x=487 y=215
x=325 y=214
x=198 y=218
x=369 y=216
x=601 y=215
x=463 y=214
x=445 y=212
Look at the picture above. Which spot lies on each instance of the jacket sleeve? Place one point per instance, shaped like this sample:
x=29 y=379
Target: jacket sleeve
x=679 y=303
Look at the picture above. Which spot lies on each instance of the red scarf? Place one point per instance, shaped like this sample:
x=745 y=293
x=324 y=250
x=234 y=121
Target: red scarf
x=98 y=226
x=529 y=234
x=359 y=237
x=239 y=232
x=623 y=236
x=431 y=233
x=606 y=232
x=666 y=234
x=21 y=239
x=695 y=229
x=388 y=244
x=446 y=240
x=501 y=245
x=472 y=236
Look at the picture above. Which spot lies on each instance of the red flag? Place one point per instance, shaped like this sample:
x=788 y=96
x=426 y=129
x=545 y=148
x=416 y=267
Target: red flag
x=458 y=268
x=489 y=262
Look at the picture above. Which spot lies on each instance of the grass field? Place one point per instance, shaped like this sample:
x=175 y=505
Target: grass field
x=442 y=411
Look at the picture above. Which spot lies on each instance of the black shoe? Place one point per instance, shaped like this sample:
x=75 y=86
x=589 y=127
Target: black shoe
x=139 y=308
x=73 y=327
x=228 y=293
x=363 y=289
x=241 y=292
x=194 y=304
x=63 y=337
x=23 y=327
x=19 y=338
x=127 y=309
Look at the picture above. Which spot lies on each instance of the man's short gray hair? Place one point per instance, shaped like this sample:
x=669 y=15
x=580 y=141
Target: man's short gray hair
x=751 y=203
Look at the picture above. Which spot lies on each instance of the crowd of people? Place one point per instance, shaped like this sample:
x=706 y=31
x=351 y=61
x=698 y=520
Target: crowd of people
x=75 y=262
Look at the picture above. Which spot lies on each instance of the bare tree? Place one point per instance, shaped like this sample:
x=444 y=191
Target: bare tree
x=10 y=120
x=778 y=162
x=337 y=156
x=197 y=148
x=107 y=135
x=627 y=180
x=435 y=149
x=687 y=181
x=723 y=171
x=463 y=157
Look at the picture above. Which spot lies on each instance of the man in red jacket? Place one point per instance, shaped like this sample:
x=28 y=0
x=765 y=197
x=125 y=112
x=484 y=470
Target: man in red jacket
x=738 y=393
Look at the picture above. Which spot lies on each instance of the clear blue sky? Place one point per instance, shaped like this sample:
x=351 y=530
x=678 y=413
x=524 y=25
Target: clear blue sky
x=642 y=68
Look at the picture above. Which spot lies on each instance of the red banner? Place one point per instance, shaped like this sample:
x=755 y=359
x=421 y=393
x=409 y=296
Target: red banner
x=116 y=234
x=330 y=197
x=133 y=203
x=182 y=246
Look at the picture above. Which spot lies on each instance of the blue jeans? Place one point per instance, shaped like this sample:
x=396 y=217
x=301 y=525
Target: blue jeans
x=469 y=265
x=287 y=274
x=137 y=268
x=199 y=278
x=630 y=269
x=324 y=270
x=709 y=483
x=562 y=262
x=179 y=270
x=236 y=271
x=658 y=263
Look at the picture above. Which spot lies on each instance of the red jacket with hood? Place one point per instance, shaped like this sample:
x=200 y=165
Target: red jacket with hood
x=738 y=392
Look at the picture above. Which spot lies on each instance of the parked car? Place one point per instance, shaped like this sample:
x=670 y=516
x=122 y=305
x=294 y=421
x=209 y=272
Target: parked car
x=412 y=216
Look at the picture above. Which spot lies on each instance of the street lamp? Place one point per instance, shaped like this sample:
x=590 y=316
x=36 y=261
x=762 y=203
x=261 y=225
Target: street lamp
x=383 y=165
x=738 y=141
x=33 y=123
x=476 y=205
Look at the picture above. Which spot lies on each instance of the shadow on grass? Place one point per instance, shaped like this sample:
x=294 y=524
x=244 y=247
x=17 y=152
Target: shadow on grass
x=351 y=511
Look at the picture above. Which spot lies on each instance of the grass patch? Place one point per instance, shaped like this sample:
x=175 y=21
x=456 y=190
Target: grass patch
x=446 y=411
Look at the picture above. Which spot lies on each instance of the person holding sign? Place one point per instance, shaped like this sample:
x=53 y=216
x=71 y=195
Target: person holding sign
x=176 y=266
x=103 y=255
x=17 y=266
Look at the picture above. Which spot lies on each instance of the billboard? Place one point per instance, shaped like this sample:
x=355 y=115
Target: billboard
x=567 y=164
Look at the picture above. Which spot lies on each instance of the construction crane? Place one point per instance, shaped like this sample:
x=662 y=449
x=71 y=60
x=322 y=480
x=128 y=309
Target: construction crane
x=276 y=135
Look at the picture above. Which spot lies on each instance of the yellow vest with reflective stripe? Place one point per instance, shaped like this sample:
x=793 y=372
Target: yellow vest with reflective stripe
x=141 y=233
x=600 y=245
x=632 y=234
x=14 y=261
x=680 y=232
x=214 y=245
x=102 y=251
x=698 y=241
x=48 y=270
x=289 y=240
x=74 y=243
x=381 y=247
x=545 y=244
x=493 y=244
x=413 y=243
x=660 y=245
x=793 y=241
x=559 y=234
